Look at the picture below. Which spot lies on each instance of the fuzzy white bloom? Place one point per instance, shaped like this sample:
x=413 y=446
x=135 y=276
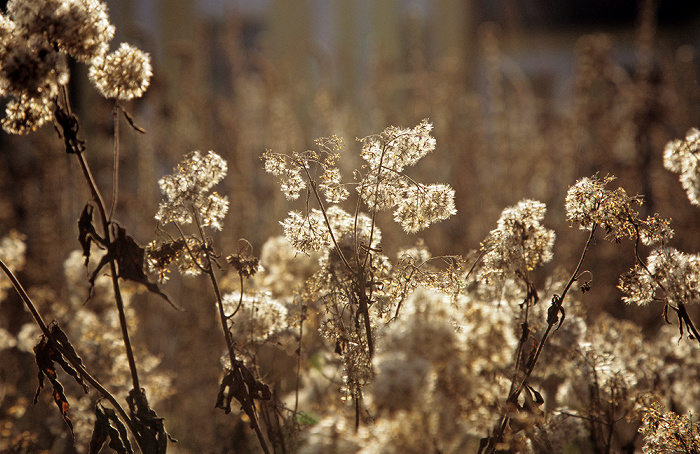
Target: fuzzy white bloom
x=668 y=432
x=257 y=316
x=122 y=74
x=282 y=166
x=423 y=205
x=306 y=233
x=440 y=358
x=681 y=157
x=519 y=243
x=396 y=148
x=332 y=187
x=30 y=66
x=25 y=114
x=589 y=204
x=80 y=28
x=385 y=186
x=679 y=273
x=187 y=191
x=676 y=273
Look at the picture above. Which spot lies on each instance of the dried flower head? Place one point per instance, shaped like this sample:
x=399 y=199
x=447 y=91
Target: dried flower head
x=245 y=265
x=667 y=432
x=655 y=231
x=32 y=67
x=681 y=157
x=291 y=180
x=637 y=286
x=589 y=204
x=396 y=148
x=25 y=114
x=257 y=317
x=422 y=205
x=385 y=186
x=187 y=191
x=79 y=28
x=520 y=243
x=676 y=273
x=306 y=233
x=185 y=253
x=122 y=74
x=295 y=169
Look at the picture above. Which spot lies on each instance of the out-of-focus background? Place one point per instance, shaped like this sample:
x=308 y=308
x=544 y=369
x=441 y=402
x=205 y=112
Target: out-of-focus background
x=525 y=98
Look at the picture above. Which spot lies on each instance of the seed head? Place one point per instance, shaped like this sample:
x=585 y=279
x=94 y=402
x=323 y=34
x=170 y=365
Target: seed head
x=122 y=74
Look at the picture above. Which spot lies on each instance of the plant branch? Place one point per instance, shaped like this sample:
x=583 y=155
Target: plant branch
x=76 y=365
x=69 y=125
x=115 y=169
x=552 y=320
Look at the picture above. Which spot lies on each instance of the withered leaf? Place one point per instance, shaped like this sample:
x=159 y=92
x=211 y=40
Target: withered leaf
x=107 y=424
x=225 y=395
x=245 y=266
x=62 y=339
x=149 y=427
x=239 y=383
x=86 y=231
x=130 y=259
x=70 y=126
x=45 y=355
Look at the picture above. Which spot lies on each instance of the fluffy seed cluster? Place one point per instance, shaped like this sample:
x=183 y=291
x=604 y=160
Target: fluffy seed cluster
x=520 y=243
x=306 y=233
x=186 y=254
x=589 y=204
x=188 y=191
x=292 y=170
x=438 y=359
x=675 y=273
x=80 y=28
x=681 y=157
x=667 y=432
x=352 y=233
x=282 y=166
x=385 y=186
x=37 y=37
x=257 y=316
x=122 y=74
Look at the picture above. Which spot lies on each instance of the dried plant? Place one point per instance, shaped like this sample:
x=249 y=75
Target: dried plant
x=336 y=339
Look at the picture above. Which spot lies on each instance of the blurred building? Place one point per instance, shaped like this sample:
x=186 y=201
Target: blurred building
x=341 y=41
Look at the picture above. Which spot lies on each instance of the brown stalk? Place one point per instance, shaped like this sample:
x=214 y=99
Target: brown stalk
x=76 y=365
x=552 y=321
x=68 y=122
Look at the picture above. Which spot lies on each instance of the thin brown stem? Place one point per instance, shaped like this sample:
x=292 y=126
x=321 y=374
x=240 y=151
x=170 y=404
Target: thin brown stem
x=76 y=365
x=298 y=378
x=551 y=323
x=326 y=220
x=71 y=135
x=209 y=270
x=115 y=168
x=557 y=302
x=229 y=344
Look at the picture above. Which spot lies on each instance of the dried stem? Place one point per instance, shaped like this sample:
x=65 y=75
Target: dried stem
x=552 y=321
x=209 y=270
x=76 y=365
x=70 y=132
x=115 y=168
